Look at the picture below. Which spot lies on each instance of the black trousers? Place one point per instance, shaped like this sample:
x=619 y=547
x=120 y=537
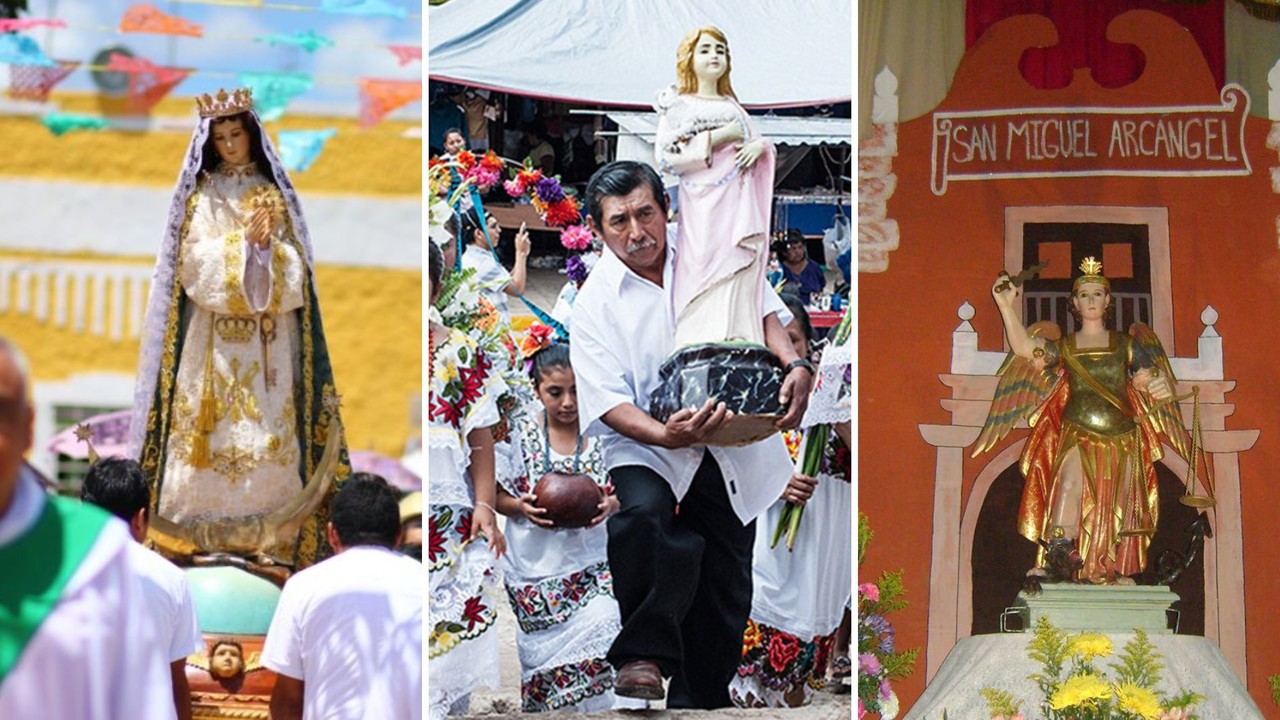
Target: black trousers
x=683 y=581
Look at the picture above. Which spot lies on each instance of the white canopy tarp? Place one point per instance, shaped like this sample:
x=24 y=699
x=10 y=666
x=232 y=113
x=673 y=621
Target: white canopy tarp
x=622 y=52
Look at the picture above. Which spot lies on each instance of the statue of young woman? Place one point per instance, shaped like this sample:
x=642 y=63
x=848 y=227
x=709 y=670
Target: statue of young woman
x=725 y=199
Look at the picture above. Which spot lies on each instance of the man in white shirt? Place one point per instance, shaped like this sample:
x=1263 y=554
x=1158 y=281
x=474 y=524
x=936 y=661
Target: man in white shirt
x=680 y=548
x=118 y=486
x=342 y=641
x=491 y=278
x=74 y=638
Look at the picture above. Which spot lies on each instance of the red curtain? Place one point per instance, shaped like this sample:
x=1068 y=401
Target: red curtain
x=1082 y=39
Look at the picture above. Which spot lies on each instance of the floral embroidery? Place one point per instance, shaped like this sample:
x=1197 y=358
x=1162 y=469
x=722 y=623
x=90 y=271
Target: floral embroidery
x=566 y=685
x=552 y=601
x=447 y=530
x=460 y=380
x=590 y=462
x=781 y=661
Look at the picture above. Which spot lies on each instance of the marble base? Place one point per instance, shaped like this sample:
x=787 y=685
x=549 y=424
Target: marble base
x=1191 y=663
x=746 y=378
x=1099 y=608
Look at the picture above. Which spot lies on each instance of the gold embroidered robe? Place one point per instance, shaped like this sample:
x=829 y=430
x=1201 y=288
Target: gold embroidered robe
x=233 y=451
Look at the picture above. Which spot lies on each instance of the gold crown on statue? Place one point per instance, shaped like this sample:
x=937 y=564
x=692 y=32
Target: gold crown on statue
x=223 y=104
x=1092 y=270
x=235 y=329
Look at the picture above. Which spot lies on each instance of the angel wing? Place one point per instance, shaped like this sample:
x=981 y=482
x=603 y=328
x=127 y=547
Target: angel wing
x=1020 y=391
x=1165 y=417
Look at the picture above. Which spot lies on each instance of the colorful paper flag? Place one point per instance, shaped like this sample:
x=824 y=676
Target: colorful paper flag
x=364 y=7
x=406 y=53
x=21 y=50
x=378 y=98
x=62 y=123
x=300 y=148
x=143 y=18
x=16 y=24
x=148 y=82
x=33 y=82
x=273 y=91
x=308 y=40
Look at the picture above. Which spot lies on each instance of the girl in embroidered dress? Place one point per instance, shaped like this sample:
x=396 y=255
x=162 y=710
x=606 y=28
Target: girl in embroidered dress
x=558 y=579
x=800 y=595
x=462 y=526
x=726 y=190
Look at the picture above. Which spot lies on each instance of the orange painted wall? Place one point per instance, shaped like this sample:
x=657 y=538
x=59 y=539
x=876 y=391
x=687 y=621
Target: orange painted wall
x=1224 y=253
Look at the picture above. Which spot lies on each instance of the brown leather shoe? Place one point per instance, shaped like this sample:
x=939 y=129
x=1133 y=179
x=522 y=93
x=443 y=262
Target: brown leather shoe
x=639 y=679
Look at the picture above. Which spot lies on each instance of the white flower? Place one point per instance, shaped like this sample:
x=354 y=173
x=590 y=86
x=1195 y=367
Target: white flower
x=889 y=708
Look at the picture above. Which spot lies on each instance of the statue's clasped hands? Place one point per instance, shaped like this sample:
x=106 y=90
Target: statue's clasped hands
x=261 y=227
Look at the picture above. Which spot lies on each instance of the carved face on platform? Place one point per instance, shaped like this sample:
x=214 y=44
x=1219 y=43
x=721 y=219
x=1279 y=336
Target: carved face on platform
x=231 y=139
x=226 y=660
x=1090 y=300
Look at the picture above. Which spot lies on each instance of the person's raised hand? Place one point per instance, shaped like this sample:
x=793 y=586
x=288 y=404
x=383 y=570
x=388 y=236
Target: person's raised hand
x=523 y=244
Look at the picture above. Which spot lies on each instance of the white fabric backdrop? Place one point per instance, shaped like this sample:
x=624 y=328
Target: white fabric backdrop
x=623 y=52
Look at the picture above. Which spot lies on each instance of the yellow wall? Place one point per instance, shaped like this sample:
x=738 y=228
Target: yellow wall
x=372 y=321
x=372 y=317
x=373 y=161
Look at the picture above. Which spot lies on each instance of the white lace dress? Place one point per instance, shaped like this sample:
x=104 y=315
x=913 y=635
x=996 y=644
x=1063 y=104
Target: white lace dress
x=463 y=583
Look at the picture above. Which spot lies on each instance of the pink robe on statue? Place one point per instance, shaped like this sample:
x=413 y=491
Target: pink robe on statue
x=723 y=221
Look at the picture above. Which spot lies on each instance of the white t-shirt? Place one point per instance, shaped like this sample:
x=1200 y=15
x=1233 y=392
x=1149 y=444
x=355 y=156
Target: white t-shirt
x=169 y=605
x=491 y=277
x=96 y=654
x=340 y=627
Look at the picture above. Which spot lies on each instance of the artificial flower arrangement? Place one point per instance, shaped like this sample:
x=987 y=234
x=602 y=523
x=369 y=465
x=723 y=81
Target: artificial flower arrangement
x=463 y=172
x=557 y=209
x=1075 y=689
x=878 y=661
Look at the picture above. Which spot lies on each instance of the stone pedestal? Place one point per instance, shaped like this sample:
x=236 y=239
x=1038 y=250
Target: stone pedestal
x=1191 y=663
x=1099 y=608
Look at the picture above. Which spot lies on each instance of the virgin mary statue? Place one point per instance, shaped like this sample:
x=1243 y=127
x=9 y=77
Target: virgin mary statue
x=235 y=414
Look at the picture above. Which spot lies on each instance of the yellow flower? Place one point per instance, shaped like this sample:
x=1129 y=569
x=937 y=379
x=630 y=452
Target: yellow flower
x=449 y=373
x=1089 y=646
x=1138 y=700
x=1078 y=690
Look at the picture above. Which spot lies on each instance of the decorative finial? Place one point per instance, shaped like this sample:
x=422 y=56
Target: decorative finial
x=223 y=104
x=1090 y=266
x=85 y=435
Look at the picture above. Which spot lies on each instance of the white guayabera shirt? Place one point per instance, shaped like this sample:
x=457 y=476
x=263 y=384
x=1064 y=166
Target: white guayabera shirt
x=622 y=332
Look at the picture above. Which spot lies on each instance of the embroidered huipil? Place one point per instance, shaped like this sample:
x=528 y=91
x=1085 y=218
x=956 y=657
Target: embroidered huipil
x=560 y=588
x=233 y=451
